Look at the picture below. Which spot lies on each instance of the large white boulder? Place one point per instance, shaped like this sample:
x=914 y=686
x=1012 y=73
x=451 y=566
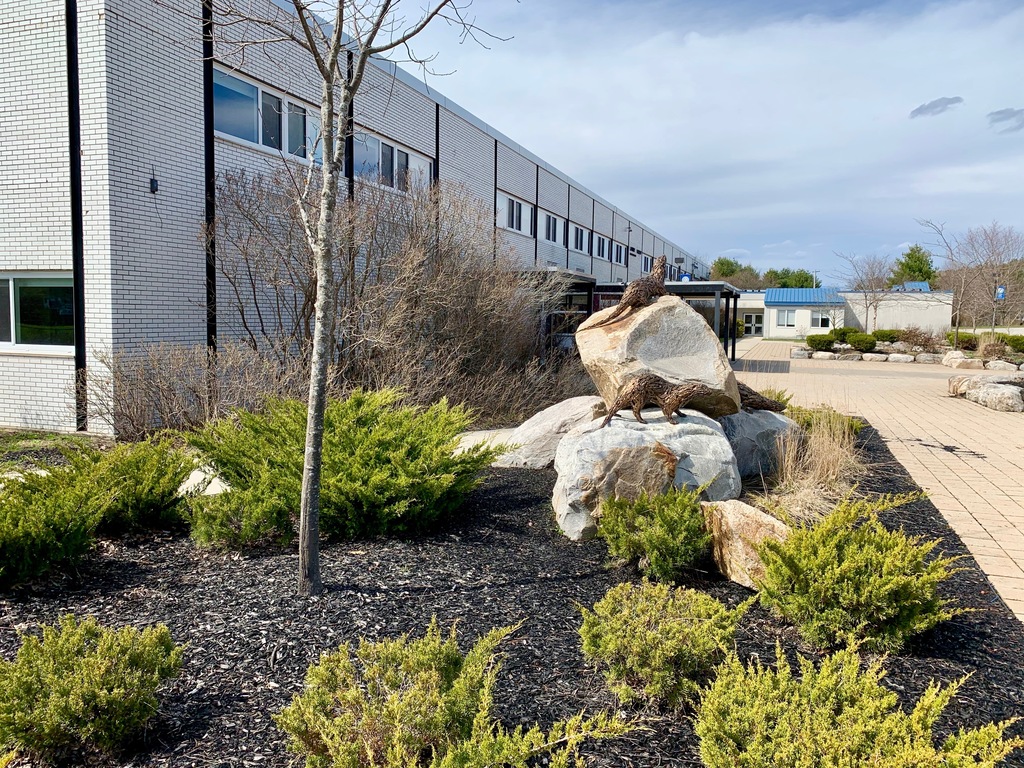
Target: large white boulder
x=537 y=438
x=952 y=356
x=928 y=357
x=900 y=357
x=667 y=338
x=1000 y=393
x=1000 y=365
x=737 y=529
x=754 y=438
x=875 y=357
x=627 y=458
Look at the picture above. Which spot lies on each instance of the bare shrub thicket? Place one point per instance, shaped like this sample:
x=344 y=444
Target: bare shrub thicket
x=432 y=302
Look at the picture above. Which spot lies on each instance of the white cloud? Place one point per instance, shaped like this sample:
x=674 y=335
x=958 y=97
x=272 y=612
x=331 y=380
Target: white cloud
x=726 y=128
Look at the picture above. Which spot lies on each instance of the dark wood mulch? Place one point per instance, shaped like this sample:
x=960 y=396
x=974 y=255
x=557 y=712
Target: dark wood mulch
x=250 y=639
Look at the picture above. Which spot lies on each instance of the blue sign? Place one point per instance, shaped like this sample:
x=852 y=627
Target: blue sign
x=1001 y=293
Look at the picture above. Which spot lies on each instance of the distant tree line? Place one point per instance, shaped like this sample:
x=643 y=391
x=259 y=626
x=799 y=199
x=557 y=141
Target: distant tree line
x=746 y=278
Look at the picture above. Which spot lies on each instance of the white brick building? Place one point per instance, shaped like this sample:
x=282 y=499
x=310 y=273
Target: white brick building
x=115 y=126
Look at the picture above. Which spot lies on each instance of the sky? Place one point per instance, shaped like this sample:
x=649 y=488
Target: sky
x=775 y=133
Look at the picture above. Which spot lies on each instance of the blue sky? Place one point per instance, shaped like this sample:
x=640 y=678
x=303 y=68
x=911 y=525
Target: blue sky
x=773 y=132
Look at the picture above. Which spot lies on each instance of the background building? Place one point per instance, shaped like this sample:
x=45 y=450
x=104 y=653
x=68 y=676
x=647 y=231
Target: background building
x=785 y=313
x=115 y=130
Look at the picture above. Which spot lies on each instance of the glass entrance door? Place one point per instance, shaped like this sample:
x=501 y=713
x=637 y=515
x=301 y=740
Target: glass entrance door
x=753 y=324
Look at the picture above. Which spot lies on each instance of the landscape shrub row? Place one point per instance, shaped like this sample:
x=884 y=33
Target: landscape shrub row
x=49 y=519
x=387 y=469
x=971 y=341
x=847 y=583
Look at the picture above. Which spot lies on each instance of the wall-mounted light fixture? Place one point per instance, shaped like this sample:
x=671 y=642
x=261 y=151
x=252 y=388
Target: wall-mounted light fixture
x=154 y=185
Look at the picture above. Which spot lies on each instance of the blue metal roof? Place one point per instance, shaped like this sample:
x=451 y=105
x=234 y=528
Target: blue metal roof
x=920 y=286
x=801 y=297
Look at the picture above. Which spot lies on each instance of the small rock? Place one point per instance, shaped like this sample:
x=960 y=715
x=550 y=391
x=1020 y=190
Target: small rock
x=798 y=353
x=899 y=357
x=736 y=531
x=851 y=357
x=929 y=357
x=824 y=356
x=875 y=357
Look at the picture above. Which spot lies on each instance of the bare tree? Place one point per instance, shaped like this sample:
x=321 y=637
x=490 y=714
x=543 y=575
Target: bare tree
x=869 y=276
x=340 y=37
x=978 y=263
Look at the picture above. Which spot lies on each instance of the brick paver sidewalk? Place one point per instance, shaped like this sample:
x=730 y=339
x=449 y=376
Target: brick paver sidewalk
x=969 y=459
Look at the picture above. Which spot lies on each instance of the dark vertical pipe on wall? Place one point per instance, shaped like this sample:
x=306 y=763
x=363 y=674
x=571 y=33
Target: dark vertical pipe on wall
x=350 y=137
x=77 y=222
x=209 y=179
x=495 y=239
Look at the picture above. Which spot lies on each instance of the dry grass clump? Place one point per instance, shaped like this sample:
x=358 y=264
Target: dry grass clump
x=818 y=464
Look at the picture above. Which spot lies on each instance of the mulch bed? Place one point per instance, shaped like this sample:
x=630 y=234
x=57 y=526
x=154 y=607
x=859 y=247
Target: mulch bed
x=250 y=639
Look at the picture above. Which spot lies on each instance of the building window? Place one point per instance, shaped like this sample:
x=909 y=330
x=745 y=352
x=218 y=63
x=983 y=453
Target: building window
x=386 y=164
x=246 y=111
x=297 y=130
x=820 y=320
x=234 y=106
x=647 y=263
x=579 y=239
x=270 y=119
x=602 y=253
x=36 y=311
x=618 y=253
x=550 y=228
x=786 y=318
x=514 y=215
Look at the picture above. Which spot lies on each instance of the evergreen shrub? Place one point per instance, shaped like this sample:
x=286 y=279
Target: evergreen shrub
x=134 y=485
x=46 y=523
x=656 y=642
x=82 y=686
x=886 y=335
x=48 y=519
x=665 y=533
x=835 y=715
x=387 y=469
x=841 y=333
x=405 y=703
x=778 y=394
x=967 y=341
x=848 y=578
x=862 y=342
x=1013 y=341
x=821 y=342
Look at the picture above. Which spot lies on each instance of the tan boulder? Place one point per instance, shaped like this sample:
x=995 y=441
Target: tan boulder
x=667 y=338
x=736 y=531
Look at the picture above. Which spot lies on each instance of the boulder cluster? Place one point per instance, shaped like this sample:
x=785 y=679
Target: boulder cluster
x=713 y=447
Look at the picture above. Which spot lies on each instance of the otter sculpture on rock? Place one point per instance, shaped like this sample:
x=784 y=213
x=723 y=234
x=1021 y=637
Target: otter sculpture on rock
x=639 y=293
x=648 y=389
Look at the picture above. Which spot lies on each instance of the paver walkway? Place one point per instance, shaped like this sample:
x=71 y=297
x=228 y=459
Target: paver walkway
x=968 y=458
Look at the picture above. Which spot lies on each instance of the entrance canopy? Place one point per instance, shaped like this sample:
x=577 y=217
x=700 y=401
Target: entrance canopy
x=607 y=294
